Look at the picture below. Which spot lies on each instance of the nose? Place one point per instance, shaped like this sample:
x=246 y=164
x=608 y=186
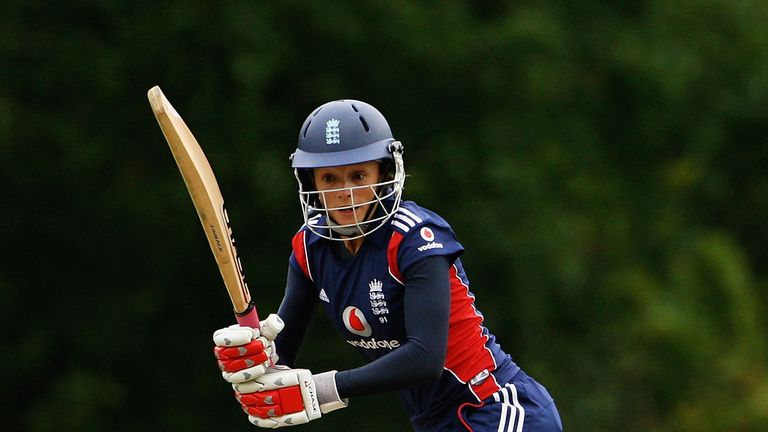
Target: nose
x=344 y=192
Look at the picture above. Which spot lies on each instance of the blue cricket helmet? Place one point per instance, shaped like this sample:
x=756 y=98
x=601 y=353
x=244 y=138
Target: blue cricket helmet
x=343 y=132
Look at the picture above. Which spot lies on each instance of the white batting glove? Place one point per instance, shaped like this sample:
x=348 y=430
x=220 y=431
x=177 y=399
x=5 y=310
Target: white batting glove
x=287 y=397
x=244 y=353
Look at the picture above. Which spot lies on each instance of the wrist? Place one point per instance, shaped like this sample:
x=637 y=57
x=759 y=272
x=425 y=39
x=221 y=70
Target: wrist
x=327 y=393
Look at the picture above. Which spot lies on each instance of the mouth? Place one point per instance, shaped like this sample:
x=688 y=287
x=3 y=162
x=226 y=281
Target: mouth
x=346 y=213
x=349 y=214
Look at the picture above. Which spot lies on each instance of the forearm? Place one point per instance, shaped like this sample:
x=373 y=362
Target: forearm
x=296 y=310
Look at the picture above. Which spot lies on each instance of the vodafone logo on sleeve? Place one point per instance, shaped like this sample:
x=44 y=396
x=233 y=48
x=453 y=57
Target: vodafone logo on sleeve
x=427 y=234
x=355 y=321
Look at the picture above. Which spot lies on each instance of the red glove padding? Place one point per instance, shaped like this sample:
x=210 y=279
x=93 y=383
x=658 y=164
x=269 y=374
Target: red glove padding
x=244 y=353
x=272 y=403
x=234 y=359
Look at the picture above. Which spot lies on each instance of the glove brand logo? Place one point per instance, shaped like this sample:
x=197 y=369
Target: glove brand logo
x=355 y=321
x=332 y=135
x=313 y=404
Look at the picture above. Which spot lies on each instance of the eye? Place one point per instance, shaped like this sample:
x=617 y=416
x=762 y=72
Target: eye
x=326 y=178
x=360 y=175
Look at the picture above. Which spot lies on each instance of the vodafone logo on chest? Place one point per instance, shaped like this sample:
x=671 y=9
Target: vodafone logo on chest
x=355 y=321
x=427 y=234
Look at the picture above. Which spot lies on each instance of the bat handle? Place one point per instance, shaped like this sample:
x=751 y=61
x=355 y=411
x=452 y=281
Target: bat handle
x=249 y=317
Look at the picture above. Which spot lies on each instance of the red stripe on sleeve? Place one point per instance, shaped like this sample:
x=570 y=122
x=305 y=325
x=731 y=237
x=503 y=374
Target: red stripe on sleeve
x=394 y=246
x=300 y=252
x=467 y=354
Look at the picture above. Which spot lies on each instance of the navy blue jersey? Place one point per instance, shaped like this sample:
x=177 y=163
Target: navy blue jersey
x=363 y=296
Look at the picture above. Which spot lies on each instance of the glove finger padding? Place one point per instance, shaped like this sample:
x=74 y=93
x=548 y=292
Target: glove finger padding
x=276 y=422
x=271 y=326
x=234 y=359
x=235 y=335
x=272 y=403
x=244 y=353
x=245 y=375
x=249 y=349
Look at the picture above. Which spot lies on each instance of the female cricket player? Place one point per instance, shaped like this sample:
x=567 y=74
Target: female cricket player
x=389 y=275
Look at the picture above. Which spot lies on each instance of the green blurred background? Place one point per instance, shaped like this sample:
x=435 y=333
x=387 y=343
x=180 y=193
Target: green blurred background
x=604 y=164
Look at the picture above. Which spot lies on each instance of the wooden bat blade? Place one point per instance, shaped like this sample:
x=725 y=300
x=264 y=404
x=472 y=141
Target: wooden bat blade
x=208 y=201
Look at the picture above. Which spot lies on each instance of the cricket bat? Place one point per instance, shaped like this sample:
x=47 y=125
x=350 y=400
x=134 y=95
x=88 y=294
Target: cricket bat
x=209 y=203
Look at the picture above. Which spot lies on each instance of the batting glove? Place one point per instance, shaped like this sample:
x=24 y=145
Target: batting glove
x=245 y=353
x=288 y=397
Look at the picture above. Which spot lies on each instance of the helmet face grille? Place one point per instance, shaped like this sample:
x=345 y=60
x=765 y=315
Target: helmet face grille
x=385 y=202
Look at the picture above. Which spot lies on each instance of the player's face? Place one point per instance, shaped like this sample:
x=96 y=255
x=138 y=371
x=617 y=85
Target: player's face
x=347 y=186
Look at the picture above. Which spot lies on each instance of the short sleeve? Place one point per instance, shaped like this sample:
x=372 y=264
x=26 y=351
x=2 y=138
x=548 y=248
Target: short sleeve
x=420 y=233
